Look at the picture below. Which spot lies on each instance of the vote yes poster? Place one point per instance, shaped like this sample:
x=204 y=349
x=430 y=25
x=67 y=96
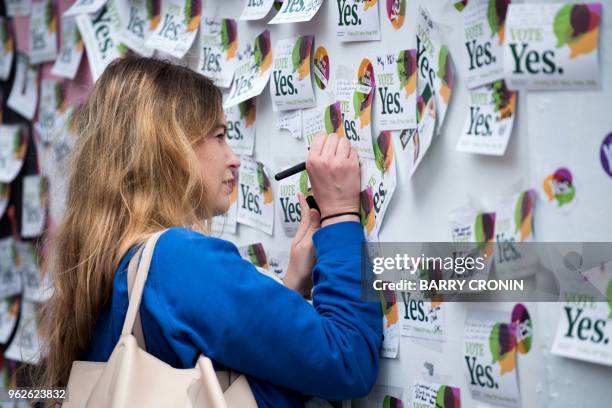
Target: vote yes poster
x=416 y=141
x=43 y=32
x=317 y=120
x=36 y=288
x=357 y=20
x=54 y=159
x=9 y=312
x=218 y=50
x=10 y=278
x=435 y=65
x=432 y=395
x=84 y=7
x=255 y=196
x=473 y=234
x=391 y=323
x=100 y=35
x=52 y=105
x=490 y=120
x=553 y=46
x=241 y=121
x=256 y=9
x=135 y=23
x=27 y=342
x=24 y=93
x=356 y=99
x=490 y=350
x=7 y=49
x=176 y=27
x=514 y=220
x=13 y=148
x=584 y=331
x=5 y=195
x=422 y=319
x=396 y=78
x=484 y=23
x=18 y=7
x=33 y=215
x=71 y=50
x=255 y=254
x=290 y=213
x=295 y=11
x=253 y=72
x=378 y=182
x=291 y=85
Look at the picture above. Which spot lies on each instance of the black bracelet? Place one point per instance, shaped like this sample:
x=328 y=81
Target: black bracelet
x=327 y=217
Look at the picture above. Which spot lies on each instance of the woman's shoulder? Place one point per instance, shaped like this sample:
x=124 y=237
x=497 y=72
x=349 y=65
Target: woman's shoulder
x=181 y=239
x=179 y=246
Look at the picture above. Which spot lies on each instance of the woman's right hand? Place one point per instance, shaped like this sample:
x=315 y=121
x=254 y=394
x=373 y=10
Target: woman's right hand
x=333 y=169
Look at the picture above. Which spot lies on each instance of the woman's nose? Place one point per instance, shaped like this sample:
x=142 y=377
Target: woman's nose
x=234 y=161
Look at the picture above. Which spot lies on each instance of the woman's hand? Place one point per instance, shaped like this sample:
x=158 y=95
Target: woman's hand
x=302 y=256
x=333 y=169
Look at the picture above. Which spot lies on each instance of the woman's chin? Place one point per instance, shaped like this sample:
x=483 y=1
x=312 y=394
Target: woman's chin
x=220 y=210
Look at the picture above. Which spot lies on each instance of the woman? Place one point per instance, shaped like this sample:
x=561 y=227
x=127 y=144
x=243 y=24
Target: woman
x=152 y=155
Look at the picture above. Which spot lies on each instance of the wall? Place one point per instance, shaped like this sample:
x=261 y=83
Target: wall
x=567 y=125
x=563 y=125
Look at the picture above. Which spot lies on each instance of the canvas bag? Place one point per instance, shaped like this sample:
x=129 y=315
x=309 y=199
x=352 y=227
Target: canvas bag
x=134 y=378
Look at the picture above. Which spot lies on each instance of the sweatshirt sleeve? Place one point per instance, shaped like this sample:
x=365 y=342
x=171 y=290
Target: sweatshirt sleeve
x=245 y=320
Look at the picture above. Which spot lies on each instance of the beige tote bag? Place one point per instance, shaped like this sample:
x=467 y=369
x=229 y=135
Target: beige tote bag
x=134 y=378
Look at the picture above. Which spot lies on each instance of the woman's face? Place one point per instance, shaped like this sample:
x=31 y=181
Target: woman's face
x=218 y=164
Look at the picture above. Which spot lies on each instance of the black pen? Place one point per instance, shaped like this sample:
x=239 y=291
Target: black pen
x=290 y=171
x=294 y=170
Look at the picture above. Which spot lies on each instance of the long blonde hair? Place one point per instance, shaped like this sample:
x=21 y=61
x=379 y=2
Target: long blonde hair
x=134 y=172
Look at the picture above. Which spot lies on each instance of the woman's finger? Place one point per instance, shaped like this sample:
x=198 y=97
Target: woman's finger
x=329 y=149
x=305 y=221
x=344 y=148
x=315 y=220
x=317 y=144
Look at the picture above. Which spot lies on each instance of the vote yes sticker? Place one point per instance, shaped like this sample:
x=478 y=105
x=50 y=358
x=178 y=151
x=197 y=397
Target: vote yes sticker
x=255 y=197
x=396 y=77
x=605 y=154
x=5 y=194
x=241 y=126
x=364 y=95
x=291 y=86
x=396 y=13
x=328 y=120
x=290 y=213
x=357 y=20
x=559 y=187
x=321 y=67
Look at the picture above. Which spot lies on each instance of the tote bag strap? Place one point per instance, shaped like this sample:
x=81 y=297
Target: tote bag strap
x=132 y=269
x=135 y=296
x=238 y=391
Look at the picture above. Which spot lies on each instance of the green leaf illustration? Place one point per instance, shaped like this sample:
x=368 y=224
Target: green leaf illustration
x=561 y=25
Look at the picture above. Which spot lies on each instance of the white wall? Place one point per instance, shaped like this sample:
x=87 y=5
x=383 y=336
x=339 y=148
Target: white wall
x=568 y=126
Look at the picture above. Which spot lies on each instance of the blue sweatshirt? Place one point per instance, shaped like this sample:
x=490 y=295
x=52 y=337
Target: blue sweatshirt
x=202 y=297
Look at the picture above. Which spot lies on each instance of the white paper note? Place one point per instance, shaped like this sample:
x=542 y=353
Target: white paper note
x=553 y=46
x=255 y=197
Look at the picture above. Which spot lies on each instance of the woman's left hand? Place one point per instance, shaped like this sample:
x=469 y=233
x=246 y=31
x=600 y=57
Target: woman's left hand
x=302 y=256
